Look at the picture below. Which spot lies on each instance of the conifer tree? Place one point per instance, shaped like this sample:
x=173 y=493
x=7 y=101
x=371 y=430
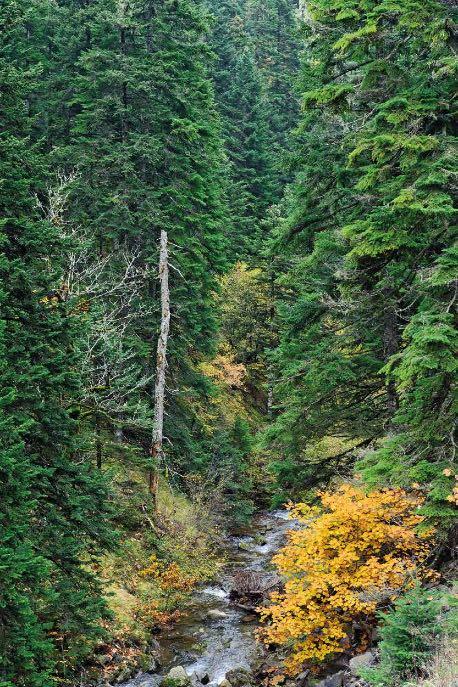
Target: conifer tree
x=242 y=103
x=53 y=505
x=143 y=135
x=272 y=28
x=256 y=65
x=369 y=230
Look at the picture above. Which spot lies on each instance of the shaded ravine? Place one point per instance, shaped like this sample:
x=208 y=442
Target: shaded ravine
x=213 y=646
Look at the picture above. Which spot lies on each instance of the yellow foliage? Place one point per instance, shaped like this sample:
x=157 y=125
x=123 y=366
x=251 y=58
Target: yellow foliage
x=358 y=551
x=223 y=369
x=453 y=496
x=169 y=576
x=150 y=593
x=156 y=617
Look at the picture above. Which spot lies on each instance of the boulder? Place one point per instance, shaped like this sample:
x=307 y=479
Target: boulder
x=215 y=614
x=239 y=677
x=335 y=680
x=177 y=676
x=303 y=679
x=365 y=660
x=224 y=683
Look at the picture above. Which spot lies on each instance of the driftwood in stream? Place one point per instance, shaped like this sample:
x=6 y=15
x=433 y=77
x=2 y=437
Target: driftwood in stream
x=250 y=588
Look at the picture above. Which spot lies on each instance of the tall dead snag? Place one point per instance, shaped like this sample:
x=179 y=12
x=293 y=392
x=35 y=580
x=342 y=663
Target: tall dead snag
x=161 y=366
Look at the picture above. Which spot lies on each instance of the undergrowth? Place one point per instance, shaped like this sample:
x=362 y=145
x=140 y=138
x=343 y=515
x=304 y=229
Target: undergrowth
x=158 y=563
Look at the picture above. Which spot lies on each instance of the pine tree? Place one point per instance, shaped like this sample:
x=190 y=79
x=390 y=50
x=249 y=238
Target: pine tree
x=242 y=103
x=326 y=400
x=402 y=158
x=410 y=633
x=272 y=28
x=144 y=136
x=256 y=65
x=52 y=505
x=364 y=316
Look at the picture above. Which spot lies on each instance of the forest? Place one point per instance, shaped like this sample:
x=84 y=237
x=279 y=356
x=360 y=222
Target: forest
x=228 y=290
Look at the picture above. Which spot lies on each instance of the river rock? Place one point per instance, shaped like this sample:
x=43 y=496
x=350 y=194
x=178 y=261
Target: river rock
x=214 y=614
x=239 y=677
x=224 y=683
x=336 y=680
x=302 y=679
x=178 y=676
x=365 y=660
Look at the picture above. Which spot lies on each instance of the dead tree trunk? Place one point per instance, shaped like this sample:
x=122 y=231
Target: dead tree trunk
x=161 y=366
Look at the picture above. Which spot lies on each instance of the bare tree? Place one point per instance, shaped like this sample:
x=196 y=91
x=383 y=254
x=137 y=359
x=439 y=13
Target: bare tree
x=105 y=290
x=161 y=366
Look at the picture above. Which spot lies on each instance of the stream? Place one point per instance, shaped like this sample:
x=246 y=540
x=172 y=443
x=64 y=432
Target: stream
x=215 y=636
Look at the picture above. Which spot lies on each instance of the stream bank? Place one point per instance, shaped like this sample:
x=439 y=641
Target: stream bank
x=216 y=636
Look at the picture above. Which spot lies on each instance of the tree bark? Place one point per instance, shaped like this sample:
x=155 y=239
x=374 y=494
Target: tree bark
x=390 y=346
x=270 y=374
x=98 y=445
x=161 y=366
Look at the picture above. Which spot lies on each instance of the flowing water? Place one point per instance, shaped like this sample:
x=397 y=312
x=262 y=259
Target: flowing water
x=209 y=646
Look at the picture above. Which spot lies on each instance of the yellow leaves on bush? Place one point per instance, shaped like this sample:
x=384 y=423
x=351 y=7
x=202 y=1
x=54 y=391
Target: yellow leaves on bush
x=154 y=616
x=225 y=370
x=358 y=551
x=169 y=576
x=453 y=496
x=173 y=585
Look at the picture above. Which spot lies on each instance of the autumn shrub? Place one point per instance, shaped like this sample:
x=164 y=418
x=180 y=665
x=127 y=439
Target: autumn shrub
x=155 y=569
x=169 y=576
x=351 y=556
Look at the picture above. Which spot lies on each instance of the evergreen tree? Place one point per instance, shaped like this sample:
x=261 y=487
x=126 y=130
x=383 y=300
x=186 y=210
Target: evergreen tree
x=143 y=134
x=410 y=634
x=254 y=72
x=364 y=315
x=272 y=29
x=52 y=505
x=242 y=103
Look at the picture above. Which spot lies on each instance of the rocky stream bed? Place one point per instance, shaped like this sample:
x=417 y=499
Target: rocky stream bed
x=216 y=634
x=214 y=643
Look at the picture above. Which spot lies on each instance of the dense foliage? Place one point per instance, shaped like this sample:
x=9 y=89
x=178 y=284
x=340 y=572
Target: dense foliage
x=410 y=634
x=356 y=554
x=254 y=77
x=303 y=172
x=366 y=293
x=366 y=307
x=110 y=133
